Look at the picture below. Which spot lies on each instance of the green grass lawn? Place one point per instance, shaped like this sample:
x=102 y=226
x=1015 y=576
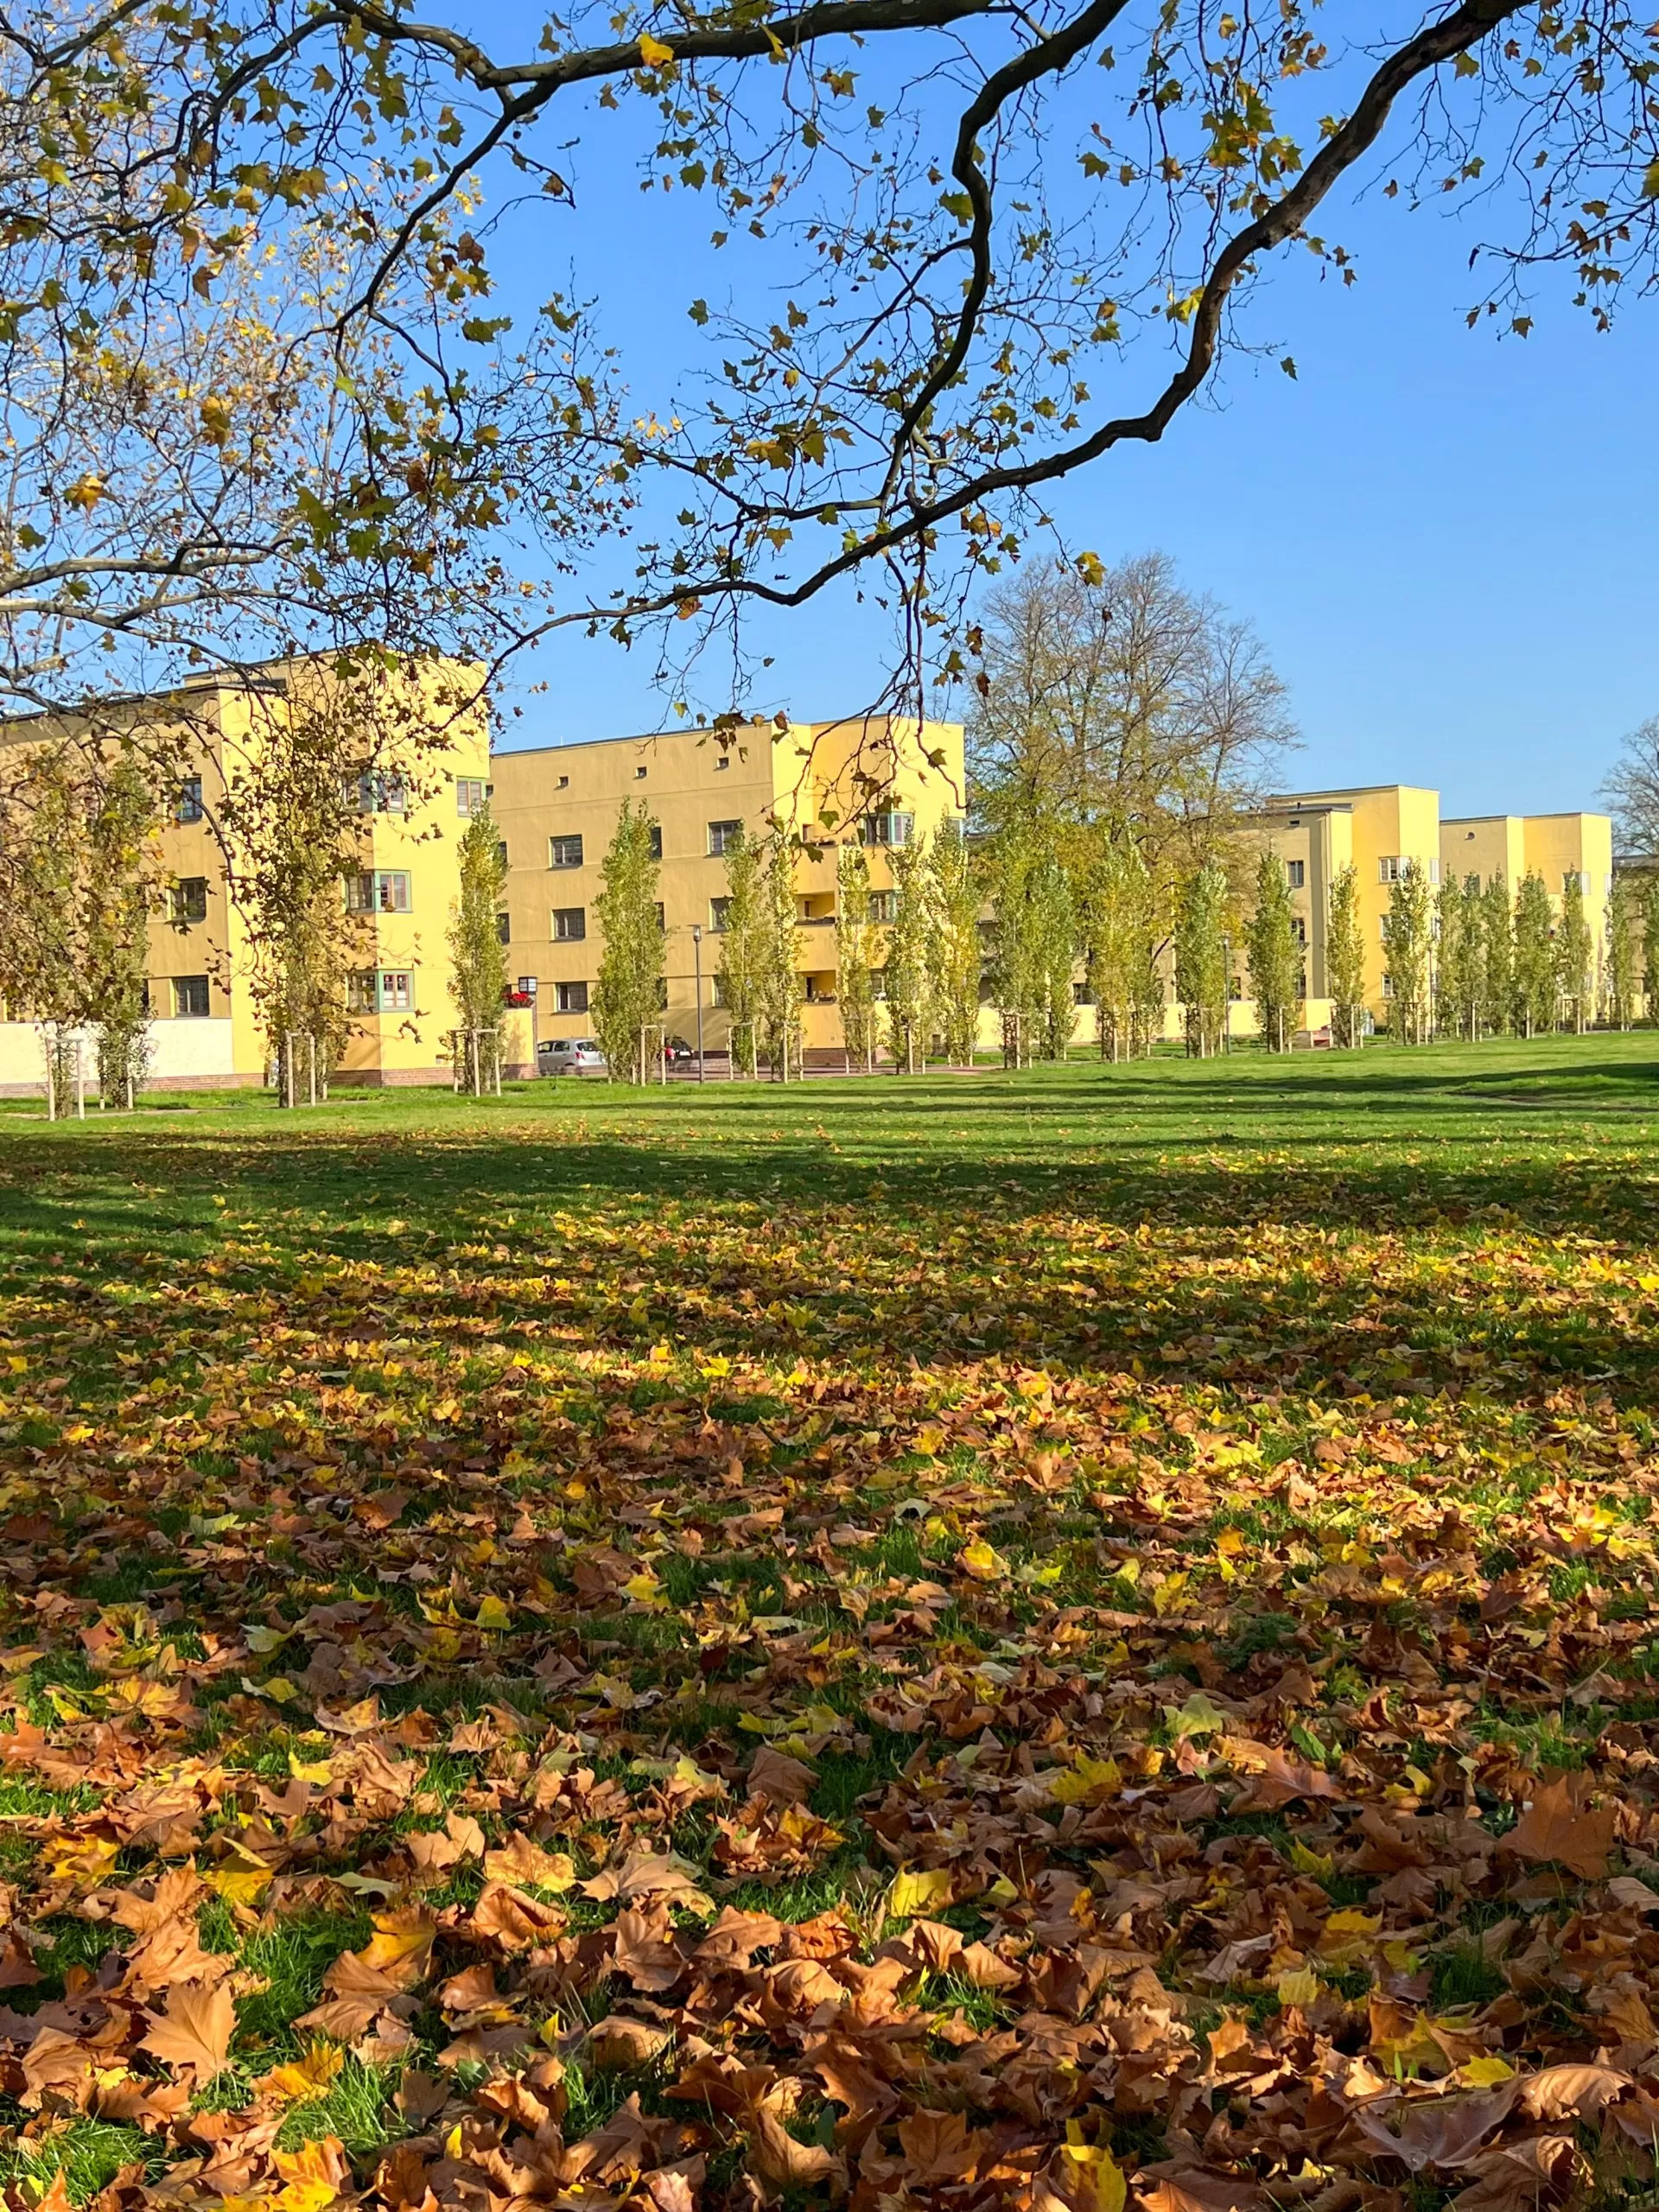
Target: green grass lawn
x=952 y=1640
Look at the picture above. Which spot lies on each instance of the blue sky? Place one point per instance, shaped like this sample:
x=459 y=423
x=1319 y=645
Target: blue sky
x=1446 y=542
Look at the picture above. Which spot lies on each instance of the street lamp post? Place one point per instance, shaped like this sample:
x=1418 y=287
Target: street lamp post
x=697 y=955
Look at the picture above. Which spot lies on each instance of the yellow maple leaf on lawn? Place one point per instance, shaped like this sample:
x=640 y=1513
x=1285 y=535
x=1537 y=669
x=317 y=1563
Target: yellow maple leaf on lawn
x=918 y=1889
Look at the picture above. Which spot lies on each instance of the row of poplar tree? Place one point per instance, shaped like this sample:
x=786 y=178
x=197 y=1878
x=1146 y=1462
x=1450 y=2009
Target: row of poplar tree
x=1039 y=919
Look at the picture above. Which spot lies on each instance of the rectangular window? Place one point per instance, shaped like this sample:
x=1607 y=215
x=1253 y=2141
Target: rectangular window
x=187 y=806
x=1575 y=880
x=564 y=852
x=718 y=910
x=571 y=998
x=656 y=840
x=190 y=996
x=377 y=793
x=887 y=829
x=639 y=775
x=723 y=836
x=1297 y=873
x=501 y=854
x=879 y=983
x=884 y=904
x=1388 y=987
x=661 y=918
x=1434 y=871
x=378 y=891
x=380 y=991
x=570 y=923
x=471 y=796
x=188 y=900
x=1299 y=929
x=721 y=761
x=1390 y=867
x=504 y=929
x=719 y=990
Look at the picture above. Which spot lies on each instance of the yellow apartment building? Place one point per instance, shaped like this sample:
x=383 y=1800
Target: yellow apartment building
x=396 y=902
x=884 y=780
x=556 y=807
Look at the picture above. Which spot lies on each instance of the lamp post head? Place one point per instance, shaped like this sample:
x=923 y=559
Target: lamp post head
x=697 y=932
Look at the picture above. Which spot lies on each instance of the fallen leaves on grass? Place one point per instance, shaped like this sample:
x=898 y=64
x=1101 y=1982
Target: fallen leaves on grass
x=1048 y=1713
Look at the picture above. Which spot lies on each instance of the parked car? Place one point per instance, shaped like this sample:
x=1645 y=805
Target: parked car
x=570 y=1056
x=675 y=1049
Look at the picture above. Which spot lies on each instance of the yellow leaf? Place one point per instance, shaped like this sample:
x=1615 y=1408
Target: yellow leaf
x=303 y=2081
x=1298 y=1987
x=1168 y=1594
x=652 y=52
x=317 y=1770
x=918 y=1889
x=1197 y=1717
x=1321 y=1864
x=982 y=1561
x=1486 y=2073
x=1086 y=1781
x=1096 y=2169
x=492 y=1614
x=240 y=1876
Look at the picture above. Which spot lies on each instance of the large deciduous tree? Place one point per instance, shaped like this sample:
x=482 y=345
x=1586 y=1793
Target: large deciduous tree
x=257 y=362
x=1630 y=786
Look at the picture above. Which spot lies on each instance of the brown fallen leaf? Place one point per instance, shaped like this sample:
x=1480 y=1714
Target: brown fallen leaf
x=1561 y=1825
x=195 y=2029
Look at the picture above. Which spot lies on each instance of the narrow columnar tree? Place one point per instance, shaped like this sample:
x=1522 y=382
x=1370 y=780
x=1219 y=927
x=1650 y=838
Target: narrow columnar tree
x=1623 y=965
x=1274 y=954
x=778 y=975
x=954 y=894
x=1452 y=991
x=1057 y=923
x=1647 y=901
x=478 y=959
x=911 y=955
x=1114 y=925
x=1575 y=948
x=1022 y=845
x=628 y=995
x=74 y=949
x=742 y=948
x=856 y=942
x=115 y=951
x=1344 y=958
x=1496 y=959
x=1408 y=941
x=1201 y=982
x=1535 y=981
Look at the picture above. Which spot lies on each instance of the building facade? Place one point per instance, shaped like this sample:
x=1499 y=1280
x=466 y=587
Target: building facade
x=883 y=780
x=1378 y=829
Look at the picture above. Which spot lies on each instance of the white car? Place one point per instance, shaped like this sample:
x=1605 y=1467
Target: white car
x=570 y=1056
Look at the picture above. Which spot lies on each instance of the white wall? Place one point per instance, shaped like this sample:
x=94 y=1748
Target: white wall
x=185 y=1051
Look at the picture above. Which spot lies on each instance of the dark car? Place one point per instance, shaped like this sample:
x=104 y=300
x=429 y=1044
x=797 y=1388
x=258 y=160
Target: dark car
x=676 y=1048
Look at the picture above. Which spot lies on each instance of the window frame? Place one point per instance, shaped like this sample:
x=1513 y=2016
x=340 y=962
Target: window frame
x=556 y=846
x=722 y=834
x=560 y=916
x=562 y=1003
x=189 y=805
x=180 y=911
x=184 y=986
